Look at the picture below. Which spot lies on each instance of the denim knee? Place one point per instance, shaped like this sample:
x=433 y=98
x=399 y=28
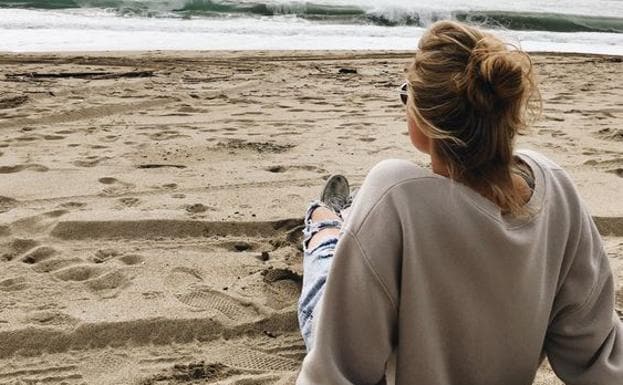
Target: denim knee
x=316 y=264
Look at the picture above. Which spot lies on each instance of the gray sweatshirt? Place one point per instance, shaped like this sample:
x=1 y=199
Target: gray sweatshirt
x=432 y=285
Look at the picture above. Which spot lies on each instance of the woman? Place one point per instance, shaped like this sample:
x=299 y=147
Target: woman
x=468 y=273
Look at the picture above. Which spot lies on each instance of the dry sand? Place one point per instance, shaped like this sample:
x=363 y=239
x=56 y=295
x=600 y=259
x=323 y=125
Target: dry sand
x=149 y=227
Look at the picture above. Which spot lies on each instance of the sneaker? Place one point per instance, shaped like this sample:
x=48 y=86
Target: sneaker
x=345 y=212
x=336 y=193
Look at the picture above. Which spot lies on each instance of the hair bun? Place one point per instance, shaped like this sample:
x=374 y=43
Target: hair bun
x=495 y=77
x=470 y=94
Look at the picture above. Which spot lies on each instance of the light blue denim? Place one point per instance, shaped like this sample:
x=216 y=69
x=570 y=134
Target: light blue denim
x=316 y=264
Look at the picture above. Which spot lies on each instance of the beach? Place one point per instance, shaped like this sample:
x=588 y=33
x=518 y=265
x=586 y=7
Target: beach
x=151 y=203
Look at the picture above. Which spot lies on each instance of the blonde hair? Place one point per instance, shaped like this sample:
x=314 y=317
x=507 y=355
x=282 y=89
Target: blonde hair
x=471 y=94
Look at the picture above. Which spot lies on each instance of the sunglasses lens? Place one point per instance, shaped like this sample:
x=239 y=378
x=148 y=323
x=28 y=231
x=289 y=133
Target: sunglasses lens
x=404 y=93
x=403 y=98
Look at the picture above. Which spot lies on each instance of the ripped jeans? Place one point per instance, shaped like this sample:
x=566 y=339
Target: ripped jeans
x=316 y=265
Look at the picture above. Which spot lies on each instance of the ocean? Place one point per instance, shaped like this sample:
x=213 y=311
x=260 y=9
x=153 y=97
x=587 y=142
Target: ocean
x=586 y=26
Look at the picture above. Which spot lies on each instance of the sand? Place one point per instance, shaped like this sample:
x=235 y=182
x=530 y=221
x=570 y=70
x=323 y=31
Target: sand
x=150 y=226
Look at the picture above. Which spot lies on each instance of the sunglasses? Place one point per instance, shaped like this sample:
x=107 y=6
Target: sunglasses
x=404 y=93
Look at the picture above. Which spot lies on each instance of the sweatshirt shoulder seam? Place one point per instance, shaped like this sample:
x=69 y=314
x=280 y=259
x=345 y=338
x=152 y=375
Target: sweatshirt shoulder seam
x=373 y=271
x=386 y=192
x=598 y=281
x=596 y=284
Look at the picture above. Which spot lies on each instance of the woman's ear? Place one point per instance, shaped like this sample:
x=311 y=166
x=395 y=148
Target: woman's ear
x=418 y=139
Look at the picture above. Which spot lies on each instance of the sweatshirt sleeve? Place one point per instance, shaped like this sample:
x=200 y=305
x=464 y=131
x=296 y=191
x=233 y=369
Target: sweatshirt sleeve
x=355 y=324
x=584 y=341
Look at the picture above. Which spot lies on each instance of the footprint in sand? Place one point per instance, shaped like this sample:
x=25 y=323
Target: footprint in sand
x=185 y=286
x=37 y=224
x=90 y=161
x=27 y=138
x=238 y=245
x=7 y=204
x=112 y=280
x=53 y=137
x=16 y=247
x=109 y=138
x=97 y=278
x=54 y=264
x=153 y=295
x=114 y=367
x=55 y=213
x=129 y=202
x=233 y=145
x=367 y=139
x=47 y=318
x=39 y=254
x=78 y=273
x=73 y=205
x=22 y=167
x=209 y=299
x=181 y=277
x=131 y=259
x=199 y=371
x=116 y=187
x=198 y=208
x=610 y=134
x=103 y=255
x=108 y=180
x=282 y=287
x=166 y=135
x=276 y=169
x=13 y=284
x=244 y=358
x=604 y=163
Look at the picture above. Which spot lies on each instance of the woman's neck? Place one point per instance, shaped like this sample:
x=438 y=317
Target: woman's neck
x=440 y=167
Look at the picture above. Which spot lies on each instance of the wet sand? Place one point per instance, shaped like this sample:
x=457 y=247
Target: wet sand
x=150 y=226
